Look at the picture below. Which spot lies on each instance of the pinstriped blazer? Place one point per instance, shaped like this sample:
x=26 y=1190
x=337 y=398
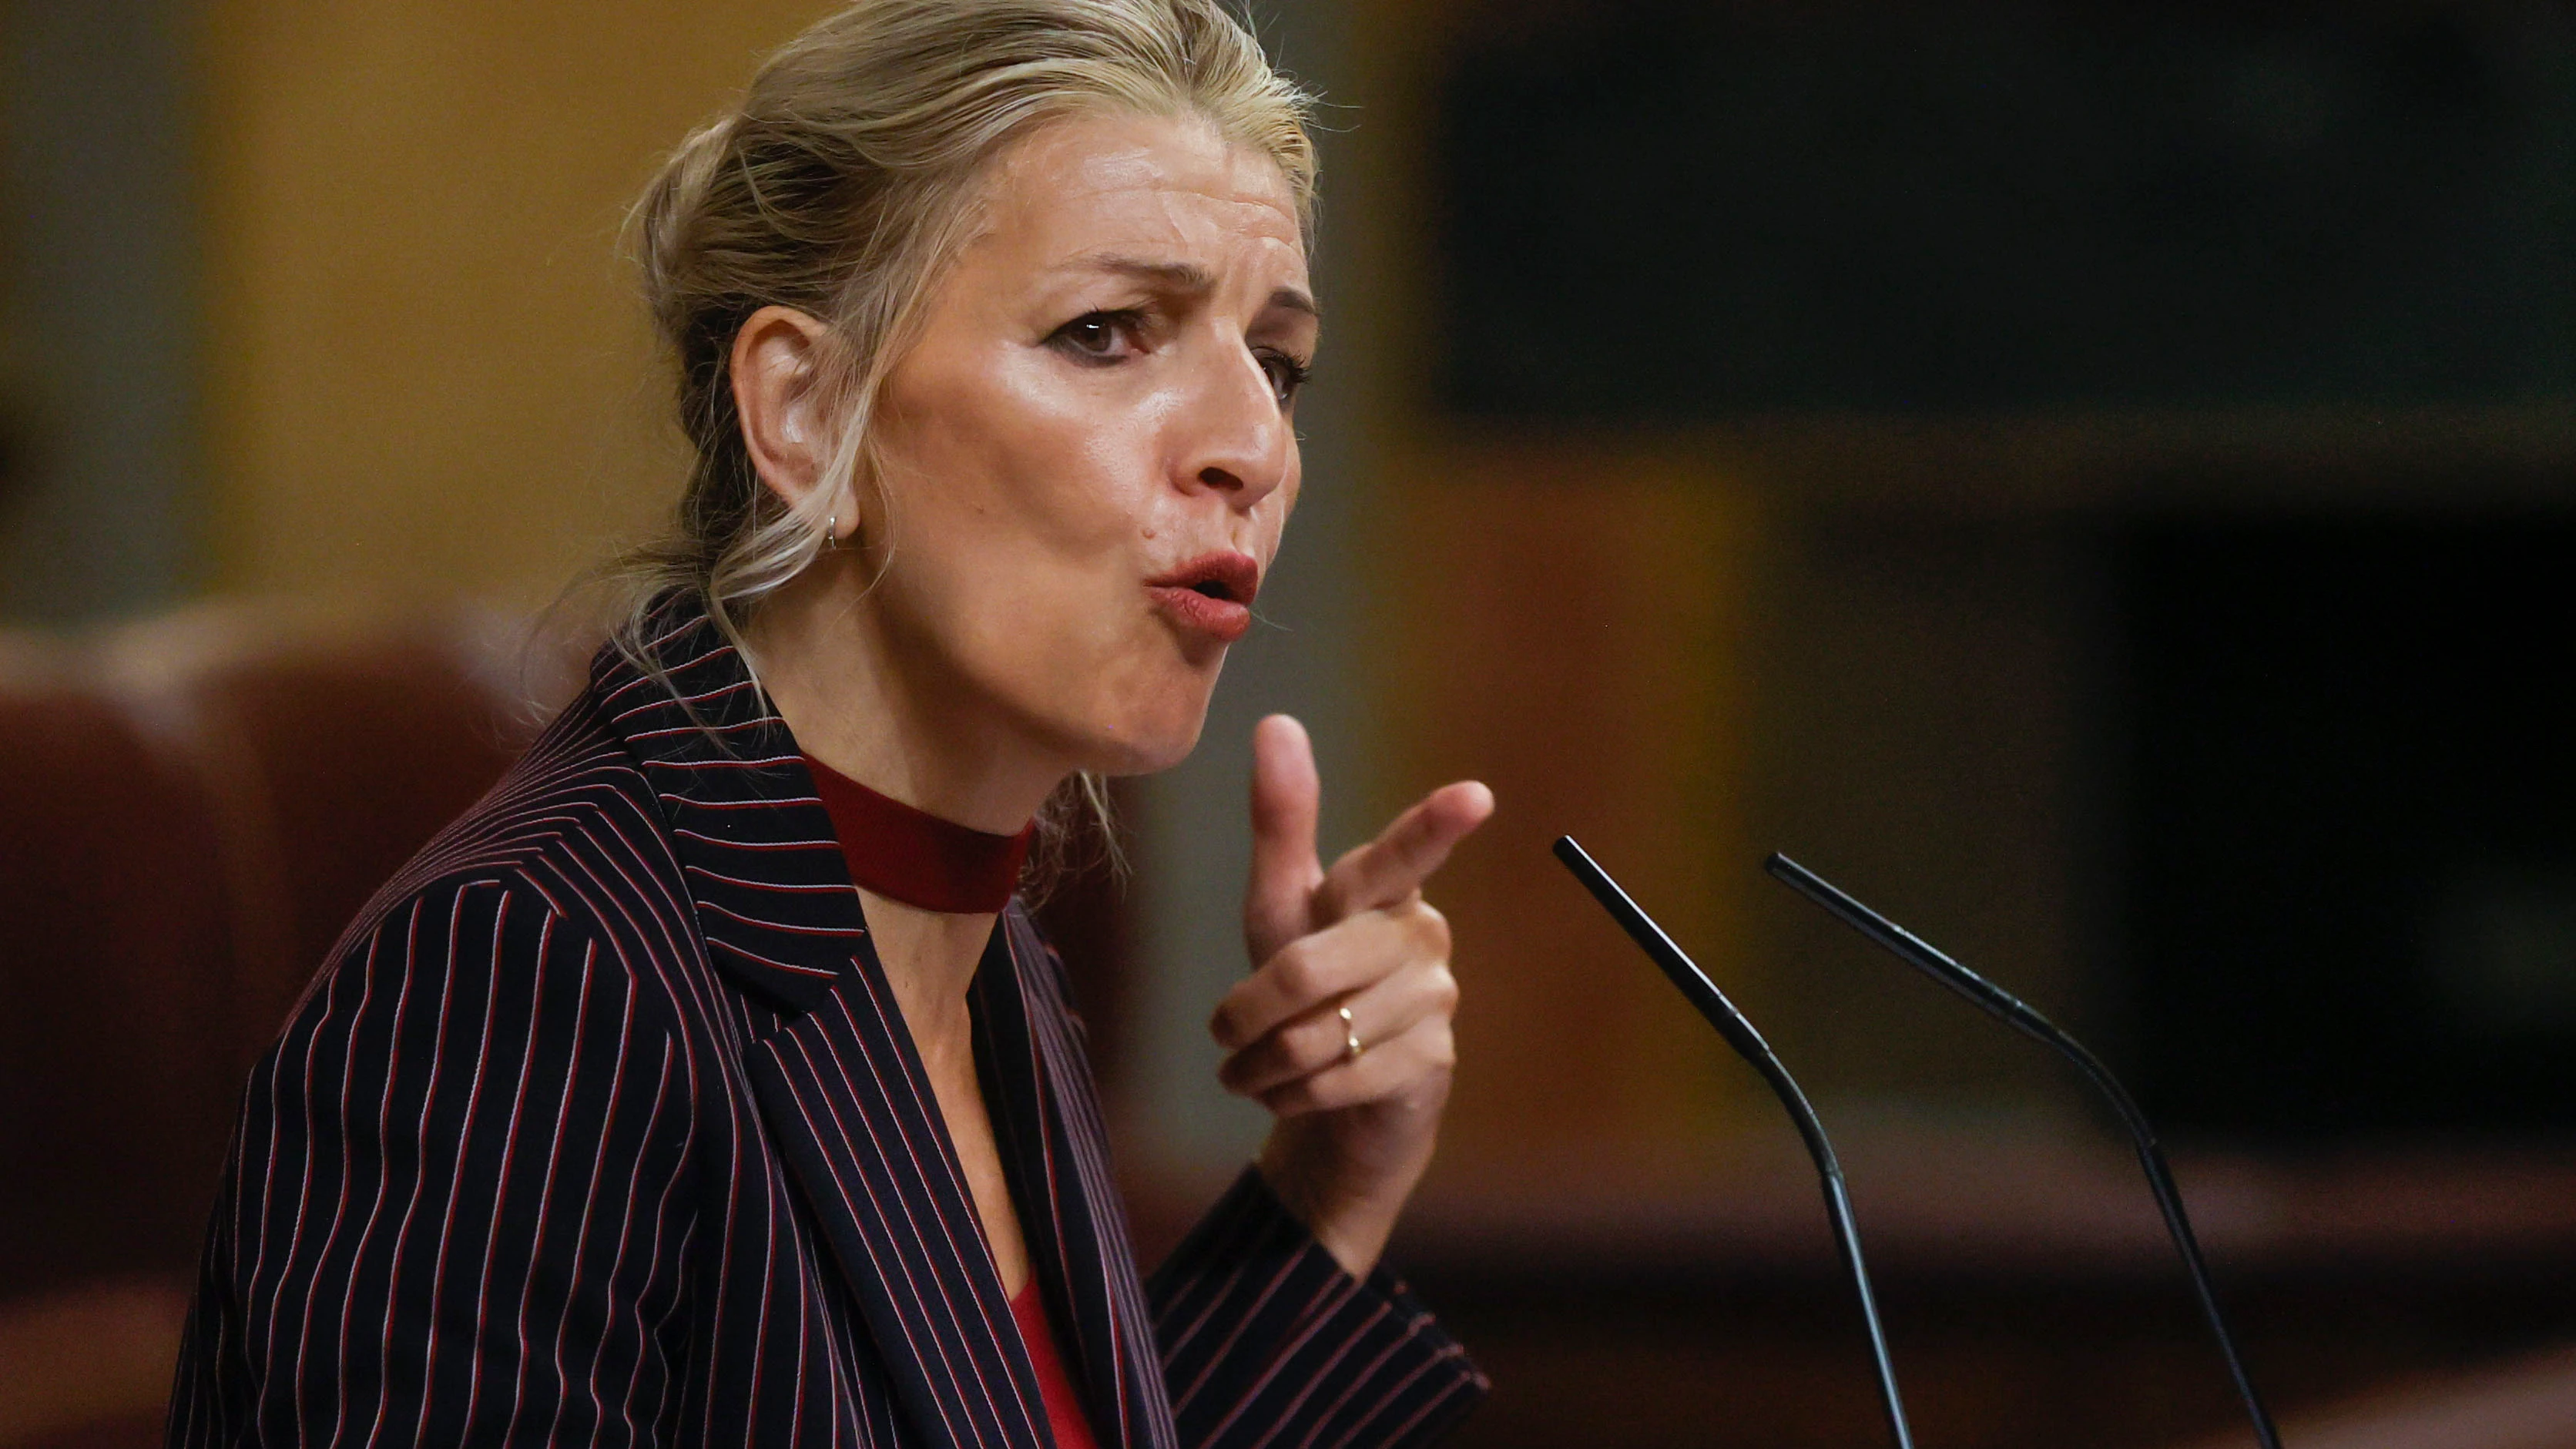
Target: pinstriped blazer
x=601 y=1126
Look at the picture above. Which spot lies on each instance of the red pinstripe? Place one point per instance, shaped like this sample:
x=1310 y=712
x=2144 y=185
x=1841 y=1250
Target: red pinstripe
x=709 y=1160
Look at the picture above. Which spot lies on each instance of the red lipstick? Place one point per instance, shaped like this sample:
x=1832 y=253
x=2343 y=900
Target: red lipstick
x=1211 y=594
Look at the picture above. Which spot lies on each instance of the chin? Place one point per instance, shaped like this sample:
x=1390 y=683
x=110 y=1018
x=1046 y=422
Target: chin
x=1145 y=750
x=1132 y=741
x=1136 y=712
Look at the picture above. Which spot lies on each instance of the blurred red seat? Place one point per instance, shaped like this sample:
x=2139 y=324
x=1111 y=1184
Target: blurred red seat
x=331 y=749
x=191 y=810
x=118 y=953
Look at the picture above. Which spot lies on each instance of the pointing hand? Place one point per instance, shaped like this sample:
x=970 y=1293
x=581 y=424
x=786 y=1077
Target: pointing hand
x=1342 y=956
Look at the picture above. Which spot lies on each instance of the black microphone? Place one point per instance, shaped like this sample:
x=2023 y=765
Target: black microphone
x=1748 y=1043
x=2012 y=1011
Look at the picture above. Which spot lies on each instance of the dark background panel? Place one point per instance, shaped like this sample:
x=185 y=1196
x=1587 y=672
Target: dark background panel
x=2352 y=824
x=1670 y=211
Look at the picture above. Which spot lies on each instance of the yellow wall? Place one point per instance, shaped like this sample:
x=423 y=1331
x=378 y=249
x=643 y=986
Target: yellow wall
x=429 y=371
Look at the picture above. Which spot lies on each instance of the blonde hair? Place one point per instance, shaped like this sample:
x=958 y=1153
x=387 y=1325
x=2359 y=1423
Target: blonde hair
x=843 y=183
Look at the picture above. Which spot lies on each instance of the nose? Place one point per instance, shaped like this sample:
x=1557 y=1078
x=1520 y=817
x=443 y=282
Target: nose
x=1235 y=440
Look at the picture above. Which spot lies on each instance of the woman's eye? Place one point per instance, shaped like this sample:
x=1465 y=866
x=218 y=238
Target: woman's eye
x=1098 y=336
x=1286 y=375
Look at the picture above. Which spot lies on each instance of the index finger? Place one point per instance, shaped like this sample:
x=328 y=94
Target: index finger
x=1394 y=866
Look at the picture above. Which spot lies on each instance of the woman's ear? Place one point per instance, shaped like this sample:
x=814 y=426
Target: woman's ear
x=779 y=362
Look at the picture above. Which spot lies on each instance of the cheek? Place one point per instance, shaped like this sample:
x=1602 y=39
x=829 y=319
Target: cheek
x=1276 y=509
x=1002 y=482
x=1031 y=507
x=1036 y=452
x=1024 y=530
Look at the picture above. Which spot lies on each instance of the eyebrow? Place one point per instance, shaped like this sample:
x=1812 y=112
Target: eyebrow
x=1294 y=300
x=1191 y=278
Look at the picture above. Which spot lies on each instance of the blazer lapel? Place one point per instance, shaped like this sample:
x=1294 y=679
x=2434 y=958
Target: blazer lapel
x=839 y=1083
x=1055 y=1149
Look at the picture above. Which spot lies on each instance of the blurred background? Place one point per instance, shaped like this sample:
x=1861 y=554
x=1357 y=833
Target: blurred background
x=2097 y=482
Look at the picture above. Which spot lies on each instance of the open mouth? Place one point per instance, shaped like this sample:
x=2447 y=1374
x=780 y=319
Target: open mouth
x=1211 y=594
x=1225 y=577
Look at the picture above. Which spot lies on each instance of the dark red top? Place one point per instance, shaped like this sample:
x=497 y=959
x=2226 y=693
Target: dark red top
x=914 y=856
x=1063 y=1401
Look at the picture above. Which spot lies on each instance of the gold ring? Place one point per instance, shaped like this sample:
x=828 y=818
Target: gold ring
x=1351 y=1047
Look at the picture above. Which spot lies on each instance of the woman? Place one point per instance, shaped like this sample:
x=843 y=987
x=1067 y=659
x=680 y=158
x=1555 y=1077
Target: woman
x=621 y=1116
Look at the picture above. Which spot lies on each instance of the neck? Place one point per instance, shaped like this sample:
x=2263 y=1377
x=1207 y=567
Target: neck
x=929 y=959
x=895 y=722
x=889 y=716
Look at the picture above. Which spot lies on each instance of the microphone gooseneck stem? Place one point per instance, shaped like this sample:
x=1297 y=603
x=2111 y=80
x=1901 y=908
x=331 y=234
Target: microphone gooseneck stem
x=1739 y=1033
x=2022 y=1017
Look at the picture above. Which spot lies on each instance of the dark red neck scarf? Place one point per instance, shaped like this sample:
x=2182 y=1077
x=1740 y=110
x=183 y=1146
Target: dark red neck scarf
x=915 y=857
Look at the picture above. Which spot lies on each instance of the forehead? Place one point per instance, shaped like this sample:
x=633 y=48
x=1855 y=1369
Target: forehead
x=1143 y=184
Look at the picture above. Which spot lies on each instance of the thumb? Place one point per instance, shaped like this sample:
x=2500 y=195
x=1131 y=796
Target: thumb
x=1278 y=902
